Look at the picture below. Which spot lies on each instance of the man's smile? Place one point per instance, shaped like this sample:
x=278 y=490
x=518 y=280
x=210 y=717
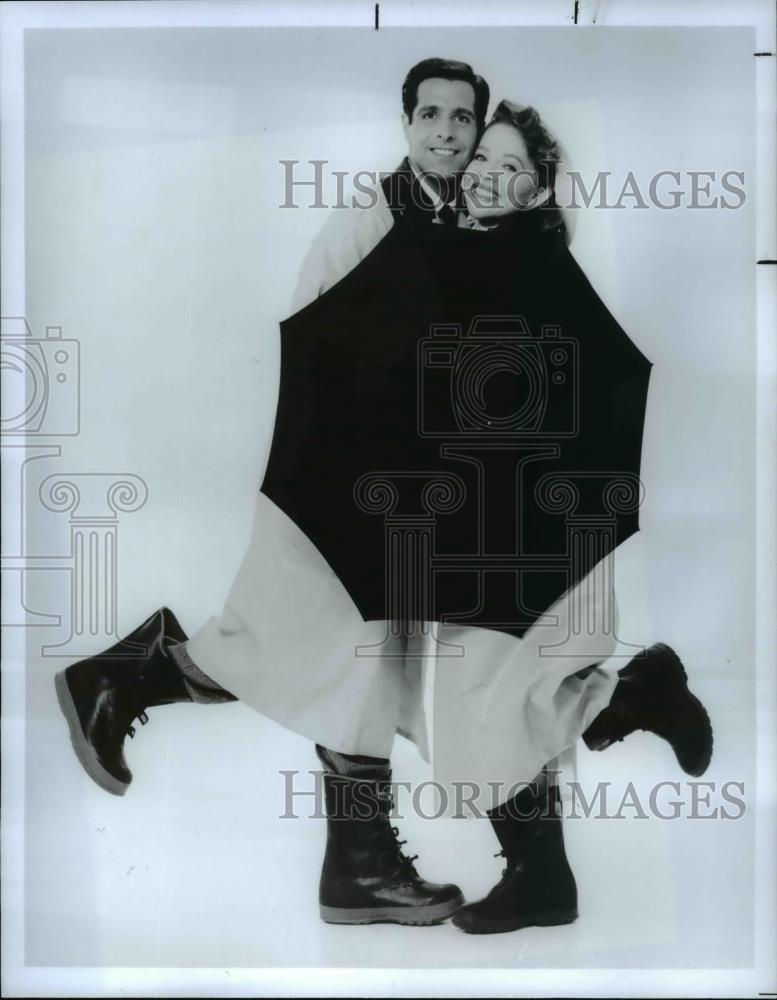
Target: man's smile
x=443 y=150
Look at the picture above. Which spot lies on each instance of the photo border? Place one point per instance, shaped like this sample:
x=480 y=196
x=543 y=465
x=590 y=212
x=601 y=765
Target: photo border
x=19 y=980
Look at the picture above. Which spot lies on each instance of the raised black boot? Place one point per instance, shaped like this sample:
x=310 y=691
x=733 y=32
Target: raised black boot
x=652 y=694
x=537 y=887
x=366 y=878
x=101 y=696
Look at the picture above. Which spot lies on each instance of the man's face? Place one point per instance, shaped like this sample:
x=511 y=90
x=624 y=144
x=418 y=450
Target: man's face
x=442 y=131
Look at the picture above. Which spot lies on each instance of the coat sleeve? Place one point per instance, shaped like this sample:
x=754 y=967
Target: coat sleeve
x=347 y=237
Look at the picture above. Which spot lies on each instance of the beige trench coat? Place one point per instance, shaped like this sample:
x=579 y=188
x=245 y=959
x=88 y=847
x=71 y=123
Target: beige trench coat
x=291 y=644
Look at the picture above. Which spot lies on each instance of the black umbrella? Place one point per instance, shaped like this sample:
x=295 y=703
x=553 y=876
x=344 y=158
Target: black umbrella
x=459 y=426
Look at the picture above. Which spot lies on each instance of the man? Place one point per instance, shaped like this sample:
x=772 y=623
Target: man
x=358 y=704
x=444 y=109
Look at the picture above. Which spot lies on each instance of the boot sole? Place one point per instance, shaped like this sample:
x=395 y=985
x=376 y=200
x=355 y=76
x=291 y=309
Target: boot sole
x=83 y=750
x=421 y=916
x=705 y=722
x=483 y=925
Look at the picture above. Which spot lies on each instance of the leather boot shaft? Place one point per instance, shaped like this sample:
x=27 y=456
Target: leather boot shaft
x=102 y=695
x=514 y=820
x=652 y=695
x=365 y=876
x=537 y=887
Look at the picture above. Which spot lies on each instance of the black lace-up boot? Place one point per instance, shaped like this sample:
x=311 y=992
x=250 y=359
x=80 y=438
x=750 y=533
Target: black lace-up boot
x=652 y=694
x=101 y=696
x=366 y=878
x=537 y=887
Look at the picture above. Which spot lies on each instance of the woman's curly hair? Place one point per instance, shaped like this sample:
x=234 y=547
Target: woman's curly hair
x=544 y=151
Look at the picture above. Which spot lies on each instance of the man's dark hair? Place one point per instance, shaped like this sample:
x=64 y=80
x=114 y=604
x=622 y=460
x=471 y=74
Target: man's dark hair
x=445 y=69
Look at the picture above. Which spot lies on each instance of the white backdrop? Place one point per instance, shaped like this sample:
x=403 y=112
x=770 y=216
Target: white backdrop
x=155 y=238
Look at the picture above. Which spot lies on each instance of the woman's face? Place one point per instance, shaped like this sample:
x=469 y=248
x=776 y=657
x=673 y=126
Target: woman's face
x=501 y=177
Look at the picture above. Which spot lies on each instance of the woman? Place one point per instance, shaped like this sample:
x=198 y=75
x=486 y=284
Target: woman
x=510 y=192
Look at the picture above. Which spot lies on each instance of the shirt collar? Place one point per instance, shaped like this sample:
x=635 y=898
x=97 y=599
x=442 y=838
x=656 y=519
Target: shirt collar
x=432 y=195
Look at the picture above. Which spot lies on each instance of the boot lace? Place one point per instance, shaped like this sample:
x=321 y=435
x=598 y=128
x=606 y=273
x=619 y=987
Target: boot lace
x=618 y=722
x=513 y=865
x=501 y=854
x=627 y=722
x=142 y=719
x=404 y=863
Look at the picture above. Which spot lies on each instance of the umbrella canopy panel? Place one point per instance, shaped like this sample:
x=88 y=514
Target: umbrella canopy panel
x=459 y=427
